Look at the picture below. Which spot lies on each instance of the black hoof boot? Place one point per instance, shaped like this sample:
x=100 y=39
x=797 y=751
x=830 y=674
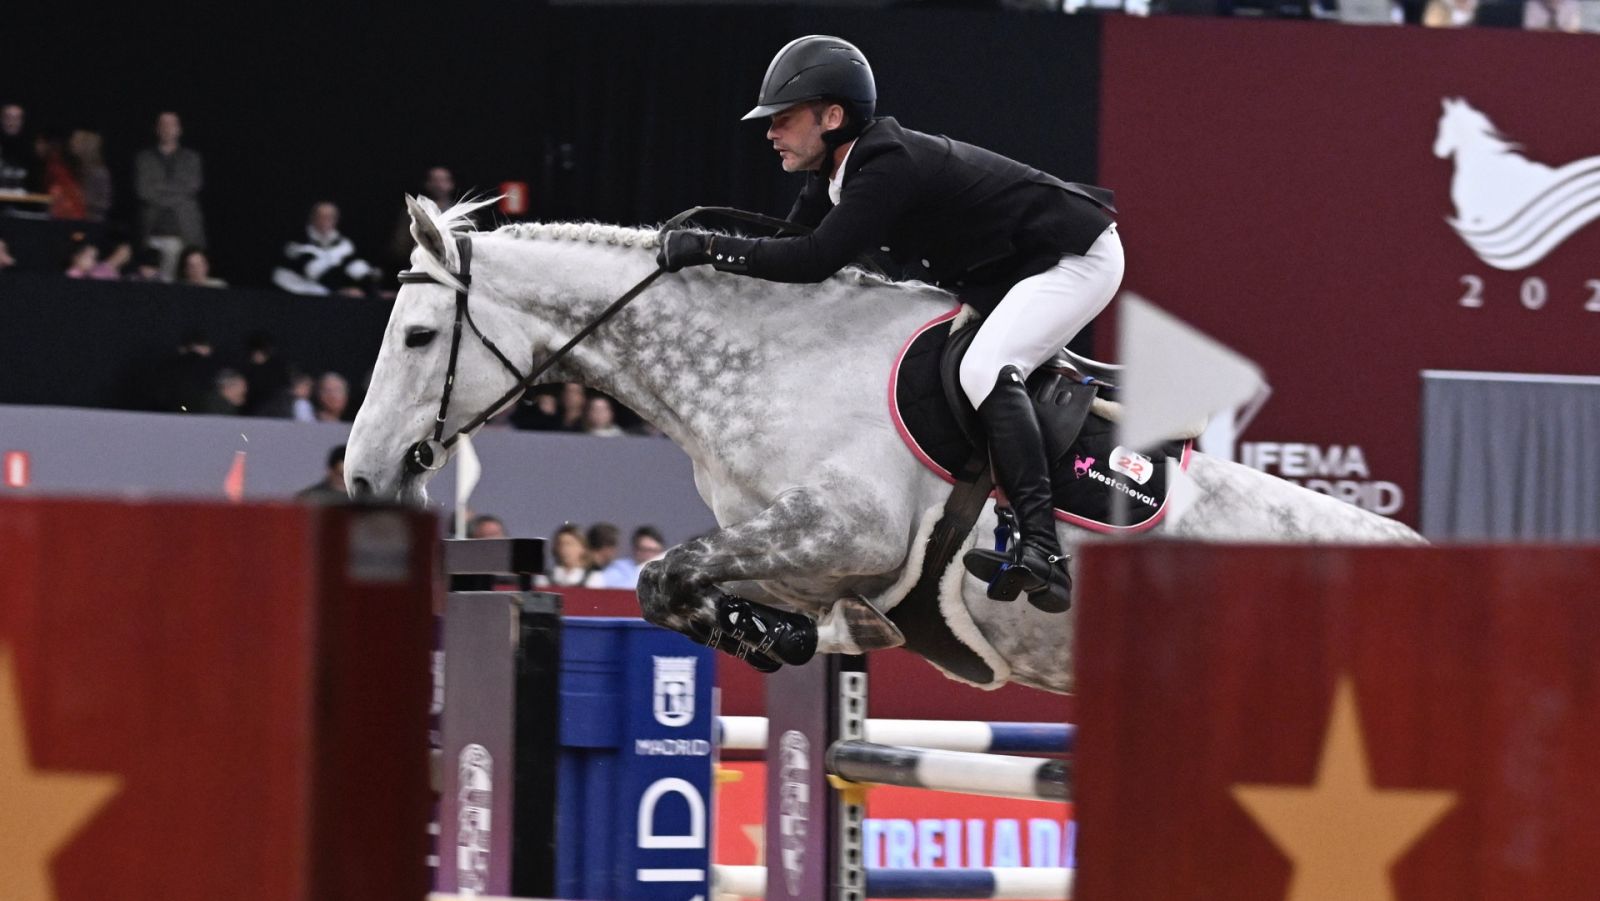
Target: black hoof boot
x=789 y=637
x=761 y=632
x=722 y=641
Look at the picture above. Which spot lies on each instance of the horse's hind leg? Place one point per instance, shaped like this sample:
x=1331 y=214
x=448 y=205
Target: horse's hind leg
x=797 y=536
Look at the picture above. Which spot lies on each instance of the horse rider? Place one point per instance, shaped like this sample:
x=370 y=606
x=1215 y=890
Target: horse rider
x=1038 y=256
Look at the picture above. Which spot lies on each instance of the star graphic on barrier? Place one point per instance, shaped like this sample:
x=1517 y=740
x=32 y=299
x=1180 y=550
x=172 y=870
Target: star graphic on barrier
x=1342 y=833
x=39 y=812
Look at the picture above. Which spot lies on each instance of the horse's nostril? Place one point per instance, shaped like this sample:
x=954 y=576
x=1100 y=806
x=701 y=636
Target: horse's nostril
x=361 y=489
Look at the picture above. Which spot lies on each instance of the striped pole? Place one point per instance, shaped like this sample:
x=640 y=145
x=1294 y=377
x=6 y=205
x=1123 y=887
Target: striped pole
x=1015 y=883
x=749 y=733
x=951 y=771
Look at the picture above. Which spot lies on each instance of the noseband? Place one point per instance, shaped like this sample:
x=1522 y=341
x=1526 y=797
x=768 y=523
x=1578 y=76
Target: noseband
x=430 y=455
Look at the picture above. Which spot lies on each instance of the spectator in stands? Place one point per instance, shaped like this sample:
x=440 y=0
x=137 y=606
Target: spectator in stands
x=1552 y=15
x=167 y=179
x=83 y=261
x=540 y=411
x=146 y=266
x=180 y=382
x=439 y=185
x=6 y=259
x=330 y=489
x=324 y=262
x=60 y=180
x=19 y=164
x=486 y=526
x=624 y=571
x=333 y=395
x=85 y=153
x=600 y=419
x=603 y=537
x=1449 y=13
x=110 y=268
x=194 y=268
x=82 y=257
x=301 y=407
x=228 y=394
x=572 y=561
x=574 y=402
x=267 y=375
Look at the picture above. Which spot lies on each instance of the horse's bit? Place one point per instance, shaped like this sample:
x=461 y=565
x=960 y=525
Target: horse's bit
x=429 y=455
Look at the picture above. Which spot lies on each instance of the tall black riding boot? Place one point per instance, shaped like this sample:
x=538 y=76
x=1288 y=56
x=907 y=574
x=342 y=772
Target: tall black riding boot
x=1016 y=447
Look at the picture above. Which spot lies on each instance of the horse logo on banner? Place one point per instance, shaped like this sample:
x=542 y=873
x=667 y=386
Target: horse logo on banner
x=1512 y=212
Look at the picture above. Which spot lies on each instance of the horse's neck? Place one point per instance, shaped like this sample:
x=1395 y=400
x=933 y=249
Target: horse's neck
x=706 y=357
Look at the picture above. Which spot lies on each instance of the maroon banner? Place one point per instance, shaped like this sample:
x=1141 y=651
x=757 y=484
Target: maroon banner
x=1351 y=206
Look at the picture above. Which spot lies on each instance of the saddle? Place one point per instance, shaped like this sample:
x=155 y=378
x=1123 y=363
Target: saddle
x=1097 y=484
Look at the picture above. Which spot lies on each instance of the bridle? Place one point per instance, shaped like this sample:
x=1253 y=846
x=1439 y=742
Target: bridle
x=429 y=455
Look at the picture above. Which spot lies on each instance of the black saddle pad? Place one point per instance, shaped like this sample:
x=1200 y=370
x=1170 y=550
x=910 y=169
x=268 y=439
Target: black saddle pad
x=1098 y=485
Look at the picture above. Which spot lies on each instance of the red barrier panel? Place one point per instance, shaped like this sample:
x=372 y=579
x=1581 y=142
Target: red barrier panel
x=204 y=701
x=1411 y=723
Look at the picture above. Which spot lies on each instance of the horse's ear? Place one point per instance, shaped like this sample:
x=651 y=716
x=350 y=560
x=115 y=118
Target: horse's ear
x=423 y=229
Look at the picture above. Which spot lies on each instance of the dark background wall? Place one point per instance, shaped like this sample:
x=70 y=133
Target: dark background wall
x=624 y=114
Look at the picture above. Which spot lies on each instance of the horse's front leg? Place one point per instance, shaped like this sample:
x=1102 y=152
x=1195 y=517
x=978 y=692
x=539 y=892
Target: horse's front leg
x=798 y=536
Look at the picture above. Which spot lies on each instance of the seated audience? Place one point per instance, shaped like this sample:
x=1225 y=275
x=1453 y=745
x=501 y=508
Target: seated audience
x=60 y=181
x=227 y=397
x=330 y=489
x=602 y=537
x=85 y=154
x=325 y=262
x=486 y=526
x=19 y=162
x=82 y=259
x=574 y=401
x=194 y=268
x=599 y=419
x=570 y=562
x=146 y=266
x=1449 y=13
x=333 y=396
x=267 y=373
x=1552 y=15
x=110 y=268
x=624 y=571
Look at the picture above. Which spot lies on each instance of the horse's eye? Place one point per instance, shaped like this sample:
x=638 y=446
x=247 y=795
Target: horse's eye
x=419 y=337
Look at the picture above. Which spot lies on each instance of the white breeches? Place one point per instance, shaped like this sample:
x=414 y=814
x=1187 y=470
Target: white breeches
x=1041 y=313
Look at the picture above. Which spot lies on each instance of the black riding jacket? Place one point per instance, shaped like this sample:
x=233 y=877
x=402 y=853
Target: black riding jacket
x=974 y=221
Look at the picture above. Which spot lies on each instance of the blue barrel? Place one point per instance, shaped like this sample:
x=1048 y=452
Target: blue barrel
x=634 y=811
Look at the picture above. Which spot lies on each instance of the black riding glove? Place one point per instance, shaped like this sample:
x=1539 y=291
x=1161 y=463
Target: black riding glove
x=683 y=247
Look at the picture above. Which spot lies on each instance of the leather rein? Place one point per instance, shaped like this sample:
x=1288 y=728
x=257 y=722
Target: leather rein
x=430 y=455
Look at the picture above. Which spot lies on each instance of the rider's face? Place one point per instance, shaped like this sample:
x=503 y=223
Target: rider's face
x=796 y=134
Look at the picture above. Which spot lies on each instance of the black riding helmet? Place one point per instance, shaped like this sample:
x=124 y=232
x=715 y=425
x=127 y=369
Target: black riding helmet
x=818 y=67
